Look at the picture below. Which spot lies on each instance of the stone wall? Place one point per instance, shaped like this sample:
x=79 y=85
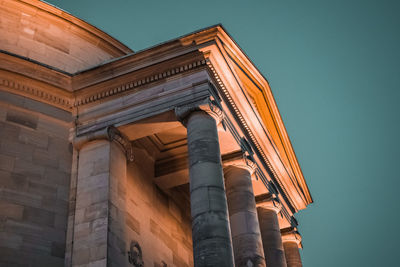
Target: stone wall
x=35 y=166
x=153 y=219
x=117 y=203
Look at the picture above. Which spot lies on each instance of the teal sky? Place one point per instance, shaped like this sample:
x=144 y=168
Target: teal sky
x=334 y=69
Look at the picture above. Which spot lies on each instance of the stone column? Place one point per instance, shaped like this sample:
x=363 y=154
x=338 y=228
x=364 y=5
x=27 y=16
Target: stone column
x=212 y=245
x=271 y=234
x=101 y=167
x=291 y=243
x=245 y=229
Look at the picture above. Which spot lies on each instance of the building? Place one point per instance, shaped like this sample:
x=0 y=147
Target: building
x=172 y=156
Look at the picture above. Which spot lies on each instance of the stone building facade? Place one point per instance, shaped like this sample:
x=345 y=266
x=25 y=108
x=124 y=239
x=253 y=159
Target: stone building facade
x=171 y=156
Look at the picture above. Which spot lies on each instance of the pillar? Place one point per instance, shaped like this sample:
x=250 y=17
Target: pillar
x=291 y=243
x=271 y=234
x=212 y=245
x=101 y=172
x=245 y=229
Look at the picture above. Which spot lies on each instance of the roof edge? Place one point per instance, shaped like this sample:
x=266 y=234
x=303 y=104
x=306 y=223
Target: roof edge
x=219 y=32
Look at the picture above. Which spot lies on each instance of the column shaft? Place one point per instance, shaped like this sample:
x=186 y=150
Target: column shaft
x=292 y=254
x=271 y=237
x=212 y=245
x=245 y=229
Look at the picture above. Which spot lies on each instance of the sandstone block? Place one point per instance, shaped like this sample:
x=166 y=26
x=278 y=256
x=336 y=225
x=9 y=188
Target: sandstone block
x=11 y=210
x=16 y=149
x=6 y=162
x=45 y=158
x=39 y=216
x=22 y=118
x=28 y=136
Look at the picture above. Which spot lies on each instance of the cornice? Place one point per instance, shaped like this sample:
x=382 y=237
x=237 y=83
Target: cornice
x=40 y=93
x=218 y=35
x=34 y=70
x=76 y=99
x=265 y=104
x=244 y=124
x=133 y=84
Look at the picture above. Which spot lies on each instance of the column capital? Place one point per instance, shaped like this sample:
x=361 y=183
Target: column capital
x=270 y=204
x=294 y=237
x=242 y=163
x=114 y=134
x=109 y=133
x=207 y=105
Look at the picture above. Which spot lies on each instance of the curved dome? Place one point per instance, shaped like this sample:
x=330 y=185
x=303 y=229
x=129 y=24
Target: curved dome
x=44 y=33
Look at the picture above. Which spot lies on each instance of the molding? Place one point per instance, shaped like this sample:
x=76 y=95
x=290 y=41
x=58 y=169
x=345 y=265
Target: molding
x=75 y=100
x=132 y=85
x=34 y=92
x=246 y=128
x=143 y=104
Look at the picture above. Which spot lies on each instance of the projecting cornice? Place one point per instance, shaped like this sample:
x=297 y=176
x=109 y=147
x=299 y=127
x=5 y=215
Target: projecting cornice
x=236 y=75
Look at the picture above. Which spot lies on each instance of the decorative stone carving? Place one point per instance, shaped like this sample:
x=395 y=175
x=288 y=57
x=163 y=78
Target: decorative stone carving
x=115 y=135
x=243 y=163
x=211 y=107
x=292 y=237
x=110 y=133
x=135 y=255
x=132 y=85
x=271 y=204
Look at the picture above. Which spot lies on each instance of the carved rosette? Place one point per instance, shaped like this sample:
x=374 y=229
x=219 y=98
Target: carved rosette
x=135 y=255
x=207 y=105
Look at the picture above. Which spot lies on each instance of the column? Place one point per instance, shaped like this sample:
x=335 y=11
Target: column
x=271 y=234
x=291 y=243
x=245 y=229
x=212 y=245
x=101 y=170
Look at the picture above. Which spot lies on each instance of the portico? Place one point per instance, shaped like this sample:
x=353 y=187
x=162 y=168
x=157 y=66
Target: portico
x=188 y=122
x=179 y=155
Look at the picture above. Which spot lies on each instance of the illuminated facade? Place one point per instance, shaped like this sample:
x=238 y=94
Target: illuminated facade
x=172 y=156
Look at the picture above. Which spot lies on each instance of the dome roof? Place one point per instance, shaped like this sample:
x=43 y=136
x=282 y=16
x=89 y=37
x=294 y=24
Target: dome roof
x=48 y=35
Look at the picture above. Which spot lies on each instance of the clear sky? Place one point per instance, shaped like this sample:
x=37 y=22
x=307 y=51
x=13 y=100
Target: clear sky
x=334 y=69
